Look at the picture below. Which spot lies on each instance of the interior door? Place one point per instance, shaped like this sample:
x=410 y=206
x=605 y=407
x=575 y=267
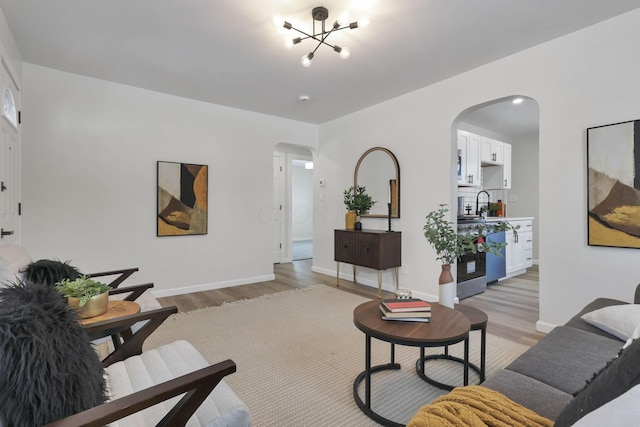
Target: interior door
x=278 y=213
x=10 y=184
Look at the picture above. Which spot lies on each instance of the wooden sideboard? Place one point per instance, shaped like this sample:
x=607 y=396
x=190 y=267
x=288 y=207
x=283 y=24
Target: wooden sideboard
x=374 y=249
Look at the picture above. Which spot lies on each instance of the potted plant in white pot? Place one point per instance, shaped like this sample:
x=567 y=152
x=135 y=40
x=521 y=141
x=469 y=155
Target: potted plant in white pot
x=89 y=297
x=450 y=246
x=358 y=202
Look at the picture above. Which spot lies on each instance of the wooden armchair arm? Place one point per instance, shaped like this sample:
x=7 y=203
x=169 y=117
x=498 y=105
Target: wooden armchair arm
x=134 y=291
x=197 y=386
x=132 y=345
x=122 y=275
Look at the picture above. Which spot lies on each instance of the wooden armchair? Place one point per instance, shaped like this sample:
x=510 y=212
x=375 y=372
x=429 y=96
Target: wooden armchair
x=121 y=275
x=198 y=382
x=197 y=385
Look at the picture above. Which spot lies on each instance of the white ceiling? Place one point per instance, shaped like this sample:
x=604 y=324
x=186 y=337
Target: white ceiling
x=228 y=52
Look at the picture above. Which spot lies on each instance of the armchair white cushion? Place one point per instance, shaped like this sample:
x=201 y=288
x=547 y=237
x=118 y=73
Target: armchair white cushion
x=223 y=408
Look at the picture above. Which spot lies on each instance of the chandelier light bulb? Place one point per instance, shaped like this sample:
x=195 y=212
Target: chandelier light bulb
x=343 y=19
x=345 y=53
x=306 y=59
x=288 y=43
x=363 y=22
x=278 y=21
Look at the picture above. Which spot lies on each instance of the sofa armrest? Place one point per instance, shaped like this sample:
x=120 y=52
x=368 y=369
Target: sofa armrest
x=122 y=275
x=132 y=344
x=197 y=385
x=636 y=296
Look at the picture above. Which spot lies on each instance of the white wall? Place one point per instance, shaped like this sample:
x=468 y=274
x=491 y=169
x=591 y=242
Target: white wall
x=584 y=79
x=90 y=152
x=9 y=50
x=525 y=180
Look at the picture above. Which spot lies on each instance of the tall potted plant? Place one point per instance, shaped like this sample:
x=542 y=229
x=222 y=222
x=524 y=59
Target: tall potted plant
x=358 y=202
x=450 y=246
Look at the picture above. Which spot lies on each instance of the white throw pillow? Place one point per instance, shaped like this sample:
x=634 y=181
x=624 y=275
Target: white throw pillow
x=620 y=412
x=619 y=320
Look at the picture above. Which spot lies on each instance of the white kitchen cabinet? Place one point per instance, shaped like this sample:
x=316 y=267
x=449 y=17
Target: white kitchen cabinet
x=469 y=159
x=491 y=151
x=498 y=177
x=519 y=250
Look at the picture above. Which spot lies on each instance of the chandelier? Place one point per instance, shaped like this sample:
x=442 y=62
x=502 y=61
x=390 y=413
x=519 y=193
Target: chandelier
x=319 y=14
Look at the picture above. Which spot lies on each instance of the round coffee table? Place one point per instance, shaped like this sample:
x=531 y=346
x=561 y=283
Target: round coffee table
x=446 y=327
x=478 y=320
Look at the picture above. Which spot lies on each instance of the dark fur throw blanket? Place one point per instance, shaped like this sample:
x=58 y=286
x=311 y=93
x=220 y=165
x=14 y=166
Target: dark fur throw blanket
x=50 y=271
x=48 y=368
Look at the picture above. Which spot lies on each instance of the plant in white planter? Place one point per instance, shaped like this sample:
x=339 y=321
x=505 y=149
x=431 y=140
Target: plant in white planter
x=89 y=297
x=450 y=246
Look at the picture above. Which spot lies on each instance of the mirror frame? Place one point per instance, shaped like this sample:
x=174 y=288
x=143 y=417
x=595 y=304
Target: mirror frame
x=395 y=214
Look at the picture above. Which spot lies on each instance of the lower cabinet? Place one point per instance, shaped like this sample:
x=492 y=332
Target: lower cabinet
x=519 y=250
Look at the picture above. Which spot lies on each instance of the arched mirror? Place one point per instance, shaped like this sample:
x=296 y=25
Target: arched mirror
x=379 y=172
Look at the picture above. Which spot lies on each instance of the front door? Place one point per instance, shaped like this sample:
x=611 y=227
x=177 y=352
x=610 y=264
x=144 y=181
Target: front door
x=10 y=184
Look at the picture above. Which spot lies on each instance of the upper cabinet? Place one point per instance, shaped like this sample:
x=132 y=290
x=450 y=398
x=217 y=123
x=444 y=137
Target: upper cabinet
x=469 y=159
x=498 y=176
x=491 y=151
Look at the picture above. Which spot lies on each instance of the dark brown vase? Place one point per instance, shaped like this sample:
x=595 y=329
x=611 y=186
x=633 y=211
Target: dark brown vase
x=445 y=275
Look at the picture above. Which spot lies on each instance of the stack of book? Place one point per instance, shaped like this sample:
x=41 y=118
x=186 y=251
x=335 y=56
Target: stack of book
x=406 y=310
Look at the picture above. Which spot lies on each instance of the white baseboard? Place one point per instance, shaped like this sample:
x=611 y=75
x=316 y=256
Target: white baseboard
x=544 y=327
x=159 y=293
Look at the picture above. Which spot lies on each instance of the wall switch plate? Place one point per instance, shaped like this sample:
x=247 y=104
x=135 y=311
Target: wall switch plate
x=323 y=182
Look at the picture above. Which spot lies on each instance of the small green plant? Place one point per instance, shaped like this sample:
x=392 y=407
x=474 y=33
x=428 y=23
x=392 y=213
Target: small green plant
x=356 y=199
x=83 y=288
x=450 y=246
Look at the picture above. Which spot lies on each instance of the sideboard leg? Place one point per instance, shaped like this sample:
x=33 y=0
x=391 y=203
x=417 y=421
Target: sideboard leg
x=338 y=274
x=379 y=284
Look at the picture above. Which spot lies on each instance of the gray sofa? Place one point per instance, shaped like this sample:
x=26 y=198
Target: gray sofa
x=556 y=378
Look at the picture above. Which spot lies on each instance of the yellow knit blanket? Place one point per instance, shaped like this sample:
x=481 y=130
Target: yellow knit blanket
x=476 y=406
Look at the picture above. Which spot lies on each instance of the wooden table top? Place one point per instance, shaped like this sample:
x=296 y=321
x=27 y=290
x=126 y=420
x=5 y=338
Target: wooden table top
x=116 y=309
x=445 y=327
x=478 y=318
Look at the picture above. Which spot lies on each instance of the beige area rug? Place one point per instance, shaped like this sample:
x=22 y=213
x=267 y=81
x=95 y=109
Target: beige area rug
x=298 y=353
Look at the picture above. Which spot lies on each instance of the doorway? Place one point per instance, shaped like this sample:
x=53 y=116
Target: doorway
x=293 y=203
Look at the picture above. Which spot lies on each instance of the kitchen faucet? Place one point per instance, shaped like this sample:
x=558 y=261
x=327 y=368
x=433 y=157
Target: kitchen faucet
x=478 y=211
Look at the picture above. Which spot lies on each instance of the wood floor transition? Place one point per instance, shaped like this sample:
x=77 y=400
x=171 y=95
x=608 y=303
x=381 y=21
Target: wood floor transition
x=512 y=305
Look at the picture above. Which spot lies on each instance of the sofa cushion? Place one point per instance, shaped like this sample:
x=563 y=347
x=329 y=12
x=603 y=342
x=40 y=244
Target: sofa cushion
x=579 y=323
x=48 y=368
x=618 y=320
x=620 y=412
x=535 y=395
x=619 y=377
x=222 y=408
x=566 y=358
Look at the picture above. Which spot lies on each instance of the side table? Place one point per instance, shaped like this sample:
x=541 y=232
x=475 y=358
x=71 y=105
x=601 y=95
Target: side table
x=446 y=327
x=478 y=320
x=115 y=310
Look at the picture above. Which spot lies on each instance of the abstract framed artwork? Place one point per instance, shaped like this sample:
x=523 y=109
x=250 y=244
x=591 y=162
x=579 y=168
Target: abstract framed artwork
x=182 y=199
x=613 y=158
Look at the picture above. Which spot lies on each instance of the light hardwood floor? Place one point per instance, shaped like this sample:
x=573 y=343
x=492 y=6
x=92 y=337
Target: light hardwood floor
x=512 y=305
